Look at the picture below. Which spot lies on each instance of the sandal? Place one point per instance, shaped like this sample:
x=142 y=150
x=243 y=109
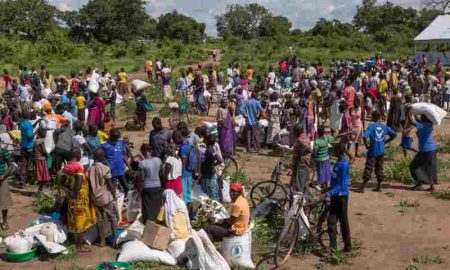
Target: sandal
x=4 y=226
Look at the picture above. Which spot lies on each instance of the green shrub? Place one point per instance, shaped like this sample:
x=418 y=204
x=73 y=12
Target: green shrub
x=398 y=171
x=44 y=203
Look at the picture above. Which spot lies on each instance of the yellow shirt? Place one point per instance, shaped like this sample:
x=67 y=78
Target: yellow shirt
x=241 y=211
x=122 y=77
x=102 y=136
x=382 y=88
x=179 y=226
x=80 y=101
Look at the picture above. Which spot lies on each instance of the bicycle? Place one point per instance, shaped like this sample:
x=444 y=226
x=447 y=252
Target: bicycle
x=296 y=219
x=230 y=166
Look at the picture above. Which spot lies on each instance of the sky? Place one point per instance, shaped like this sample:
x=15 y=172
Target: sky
x=302 y=13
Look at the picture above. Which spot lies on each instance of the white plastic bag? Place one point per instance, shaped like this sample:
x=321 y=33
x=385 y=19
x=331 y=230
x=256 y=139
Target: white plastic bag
x=240 y=121
x=226 y=198
x=177 y=249
x=134 y=205
x=49 y=142
x=433 y=112
x=17 y=244
x=120 y=200
x=135 y=251
x=139 y=85
x=119 y=98
x=51 y=247
x=263 y=123
x=93 y=82
x=237 y=250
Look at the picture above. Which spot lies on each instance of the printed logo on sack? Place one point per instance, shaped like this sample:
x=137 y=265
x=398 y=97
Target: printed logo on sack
x=236 y=251
x=379 y=134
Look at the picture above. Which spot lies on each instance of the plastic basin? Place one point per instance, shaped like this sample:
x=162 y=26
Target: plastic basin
x=114 y=266
x=21 y=257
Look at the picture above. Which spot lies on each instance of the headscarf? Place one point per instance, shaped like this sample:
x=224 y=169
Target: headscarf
x=237 y=187
x=175 y=204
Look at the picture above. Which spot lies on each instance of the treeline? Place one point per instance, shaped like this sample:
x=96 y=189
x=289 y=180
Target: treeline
x=34 y=30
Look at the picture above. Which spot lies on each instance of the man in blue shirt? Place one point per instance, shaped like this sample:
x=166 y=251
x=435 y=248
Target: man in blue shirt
x=338 y=193
x=115 y=154
x=251 y=109
x=376 y=133
x=27 y=145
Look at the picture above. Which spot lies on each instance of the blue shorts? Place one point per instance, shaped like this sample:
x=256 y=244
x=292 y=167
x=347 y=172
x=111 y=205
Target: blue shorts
x=406 y=143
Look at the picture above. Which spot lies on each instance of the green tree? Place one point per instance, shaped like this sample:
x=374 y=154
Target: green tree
x=29 y=18
x=371 y=18
x=108 y=21
x=241 y=21
x=175 y=25
x=274 y=26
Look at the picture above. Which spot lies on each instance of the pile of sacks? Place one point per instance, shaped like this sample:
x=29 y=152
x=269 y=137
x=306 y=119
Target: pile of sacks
x=196 y=252
x=47 y=232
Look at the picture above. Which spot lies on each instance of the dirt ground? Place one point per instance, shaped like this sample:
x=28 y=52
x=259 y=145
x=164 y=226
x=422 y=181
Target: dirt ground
x=390 y=239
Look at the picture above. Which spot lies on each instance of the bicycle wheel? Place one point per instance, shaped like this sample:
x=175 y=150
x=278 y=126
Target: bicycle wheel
x=268 y=190
x=286 y=242
x=231 y=166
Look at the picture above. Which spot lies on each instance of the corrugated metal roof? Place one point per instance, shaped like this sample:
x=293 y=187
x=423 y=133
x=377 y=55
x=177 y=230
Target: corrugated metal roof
x=437 y=31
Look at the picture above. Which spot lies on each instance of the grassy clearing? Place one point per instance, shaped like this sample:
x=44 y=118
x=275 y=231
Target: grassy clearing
x=398 y=171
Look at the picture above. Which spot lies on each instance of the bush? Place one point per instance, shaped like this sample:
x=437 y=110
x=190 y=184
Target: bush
x=44 y=203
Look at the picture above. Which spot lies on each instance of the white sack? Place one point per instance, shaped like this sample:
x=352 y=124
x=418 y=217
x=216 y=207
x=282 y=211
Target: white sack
x=136 y=251
x=139 y=85
x=17 y=244
x=177 y=249
x=433 y=112
x=237 y=250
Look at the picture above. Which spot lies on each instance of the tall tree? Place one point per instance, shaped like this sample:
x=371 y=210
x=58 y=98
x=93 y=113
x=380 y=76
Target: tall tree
x=241 y=21
x=175 y=25
x=29 y=18
x=108 y=20
x=274 y=26
x=443 y=5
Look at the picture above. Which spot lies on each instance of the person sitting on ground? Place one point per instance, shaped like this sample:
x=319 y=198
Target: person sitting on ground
x=238 y=223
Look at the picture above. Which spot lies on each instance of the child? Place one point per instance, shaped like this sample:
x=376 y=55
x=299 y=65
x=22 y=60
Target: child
x=376 y=133
x=209 y=176
x=408 y=126
x=42 y=173
x=102 y=135
x=322 y=158
x=81 y=106
x=338 y=193
x=172 y=171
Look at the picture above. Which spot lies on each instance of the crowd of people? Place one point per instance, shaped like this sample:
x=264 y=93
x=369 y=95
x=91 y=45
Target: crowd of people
x=65 y=131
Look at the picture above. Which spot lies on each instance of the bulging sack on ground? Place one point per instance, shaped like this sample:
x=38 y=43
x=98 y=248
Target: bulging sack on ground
x=133 y=205
x=136 y=251
x=433 y=112
x=139 y=85
x=237 y=250
x=177 y=249
x=213 y=259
